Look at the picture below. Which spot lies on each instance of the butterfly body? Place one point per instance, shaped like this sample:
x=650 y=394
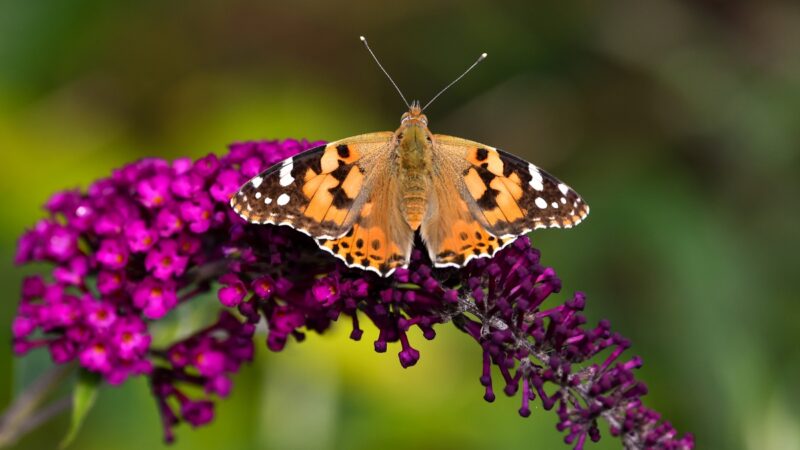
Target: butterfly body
x=364 y=198
x=415 y=161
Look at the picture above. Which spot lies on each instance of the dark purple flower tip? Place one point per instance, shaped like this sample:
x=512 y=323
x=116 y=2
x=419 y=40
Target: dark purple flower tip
x=197 y=413
x=489 y=394
x=408 y=357
x=219 y=385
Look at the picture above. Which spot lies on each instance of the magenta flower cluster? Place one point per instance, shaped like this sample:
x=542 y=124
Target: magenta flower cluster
x=156 y=234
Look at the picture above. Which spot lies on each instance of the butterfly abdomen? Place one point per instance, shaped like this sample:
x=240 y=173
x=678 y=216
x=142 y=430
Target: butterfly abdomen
x=414 y=155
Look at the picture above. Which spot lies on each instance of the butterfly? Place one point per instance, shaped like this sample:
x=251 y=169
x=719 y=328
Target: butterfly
x=364 y=198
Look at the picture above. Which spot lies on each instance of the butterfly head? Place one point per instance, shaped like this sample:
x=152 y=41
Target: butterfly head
x=413 y=131
x=414 y=116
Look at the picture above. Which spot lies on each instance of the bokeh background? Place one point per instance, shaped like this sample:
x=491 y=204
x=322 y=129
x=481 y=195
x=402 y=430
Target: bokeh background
x=679 y=122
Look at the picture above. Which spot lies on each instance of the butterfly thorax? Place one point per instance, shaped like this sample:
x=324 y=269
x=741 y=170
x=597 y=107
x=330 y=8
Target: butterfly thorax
x=414 y=155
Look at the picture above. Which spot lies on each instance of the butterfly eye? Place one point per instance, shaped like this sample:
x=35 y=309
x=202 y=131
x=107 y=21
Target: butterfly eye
x=400 y=136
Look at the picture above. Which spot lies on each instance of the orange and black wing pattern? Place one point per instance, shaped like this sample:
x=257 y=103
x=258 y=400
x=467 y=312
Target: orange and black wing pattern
x=330 y=193
x=505 y=196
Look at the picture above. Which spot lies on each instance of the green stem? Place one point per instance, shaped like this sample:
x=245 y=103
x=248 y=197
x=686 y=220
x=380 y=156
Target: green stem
x=25 y=414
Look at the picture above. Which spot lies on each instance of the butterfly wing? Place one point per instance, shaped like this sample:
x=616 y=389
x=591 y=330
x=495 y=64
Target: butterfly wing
x=327 y=193
x=500 y=197
x=380 y=240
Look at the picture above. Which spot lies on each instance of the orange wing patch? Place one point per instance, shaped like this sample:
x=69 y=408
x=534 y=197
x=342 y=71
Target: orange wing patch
x=367 y=248
x=467 y=240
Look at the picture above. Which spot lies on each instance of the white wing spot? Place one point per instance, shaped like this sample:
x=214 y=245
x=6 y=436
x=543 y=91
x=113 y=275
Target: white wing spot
x=536 y=177
x=267 y=200
x=563 y=200
x=563 y=188
x=541 y=203
x=283 y=199
x=258 y=195
x=554 y=205
x=256 y=182
x=286 y=172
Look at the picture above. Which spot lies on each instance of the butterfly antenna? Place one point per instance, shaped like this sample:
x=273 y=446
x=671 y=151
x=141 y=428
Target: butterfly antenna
x=480 y=58
x=364 y=40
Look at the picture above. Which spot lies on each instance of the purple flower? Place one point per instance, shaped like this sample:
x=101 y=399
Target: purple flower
x=233 y=292
x=130 y=339
x=100 y=315
x=325 y=291
x=155 y=298
x=156 y=235
x=197 y=412
x=198 y=214
x=22 y=327
x=154 y=192
x=168 y=222
x=209 y=362
x=95 y=357
x=112 y=254
x=164 y=261
x=140 y=237
x=110 y=282
x=263 y=287
x=73 y=271
x=228 y=182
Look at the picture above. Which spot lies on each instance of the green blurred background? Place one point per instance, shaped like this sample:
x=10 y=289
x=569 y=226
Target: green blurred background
x=679 y=122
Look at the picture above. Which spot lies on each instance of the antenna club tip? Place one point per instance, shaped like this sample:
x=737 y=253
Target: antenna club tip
x=362 y=38
x=484 y=55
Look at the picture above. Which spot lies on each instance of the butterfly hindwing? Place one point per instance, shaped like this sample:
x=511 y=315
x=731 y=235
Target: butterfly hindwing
x=450 y=230
x=380 y=240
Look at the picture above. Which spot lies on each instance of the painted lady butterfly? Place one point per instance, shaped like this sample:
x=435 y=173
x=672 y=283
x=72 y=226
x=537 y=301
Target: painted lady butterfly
x=363 y=198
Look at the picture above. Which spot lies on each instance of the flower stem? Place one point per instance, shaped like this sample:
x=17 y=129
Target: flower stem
x=25 y=414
